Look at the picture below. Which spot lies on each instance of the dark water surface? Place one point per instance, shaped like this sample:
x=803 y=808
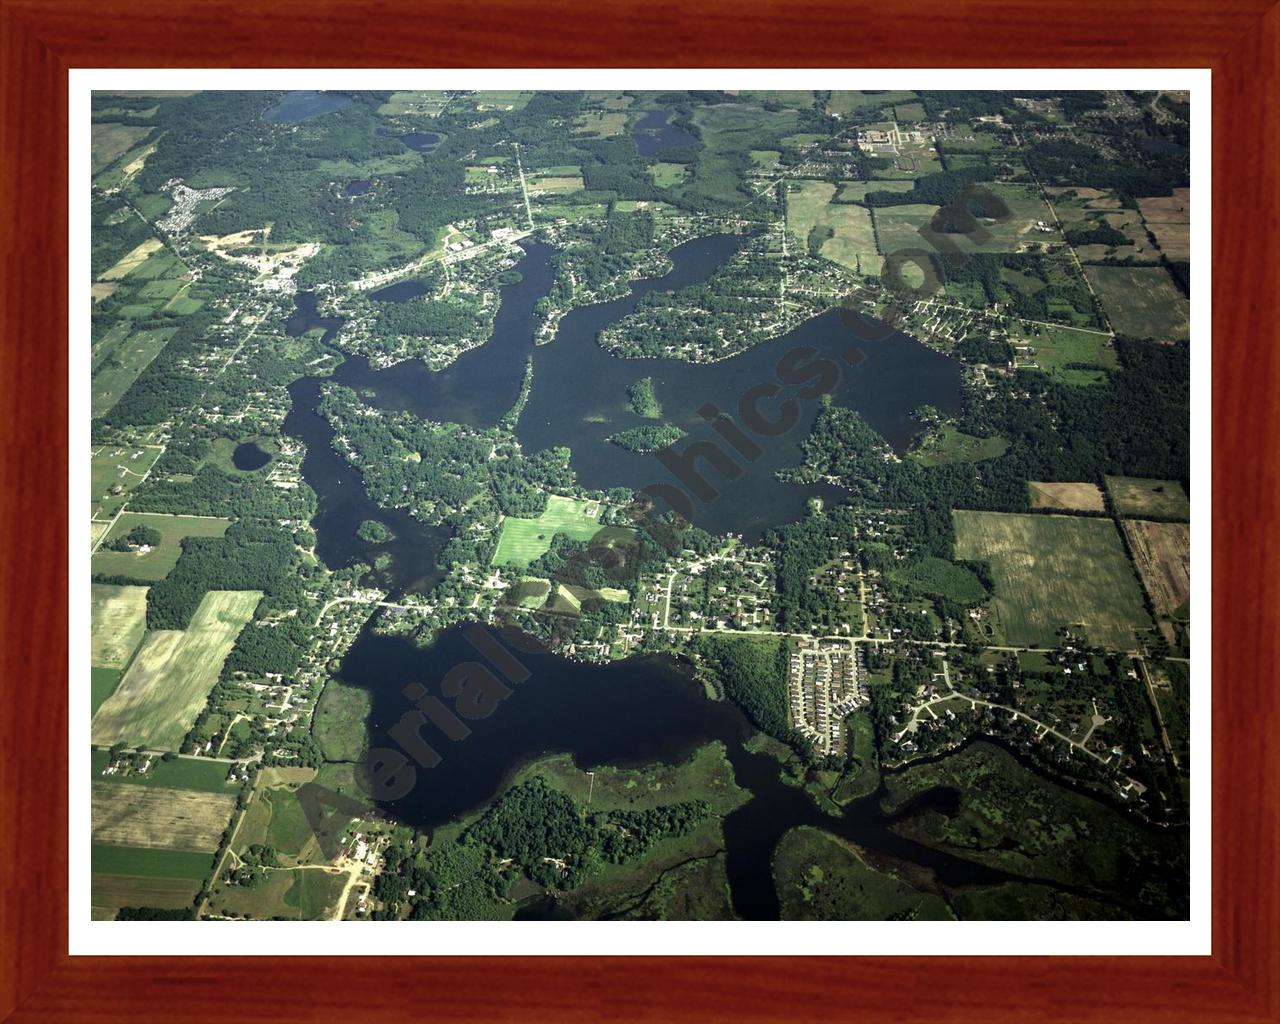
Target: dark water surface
x=653 y=133
x=421 y=142
x=249 y=457
x=358 y=187
x=630 y=713
x=304 y=105
x=642 y=710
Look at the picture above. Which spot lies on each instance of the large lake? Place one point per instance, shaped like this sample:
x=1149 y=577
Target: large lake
x=579 y=394
x=304 y=105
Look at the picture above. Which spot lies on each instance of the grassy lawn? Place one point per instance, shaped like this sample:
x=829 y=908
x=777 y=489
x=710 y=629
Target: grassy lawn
x=665 y=175
x=117 y=620
x=1135 y=496
x=180 y=773
x=1064 y=352
x=944 y=446
x=1142 y=302
x=156 y=563
x=170 y=678
x=524 y=540
x=1053 y=571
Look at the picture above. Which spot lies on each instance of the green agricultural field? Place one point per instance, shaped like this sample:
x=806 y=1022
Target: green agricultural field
x=840 y=232
x=203 y=776
x=146 y=863
x=114 y=471
x=156 y=563
x=117 y=620
x=122 y=364
x=856 y=191
x=425 y=103
x=1142 y=302
x=524 y=540
x=1073 y=355
x=171 y=676
x=898 y=227
x=1052 y=571
x=102 y=684
x=1162 y=499
x=846 y=102
x=501 y=99
x=109 y=141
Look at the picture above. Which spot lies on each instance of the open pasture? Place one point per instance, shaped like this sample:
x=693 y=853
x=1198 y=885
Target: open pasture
x=171 y=676
x=156 y=563
x=600 y=123
x=1052 y=571
x=524 y=540
x=131 y=260
x=416 y=103
x=1136 y=496
x=114 y=471
x=123 y=364
x=1142 y=302
x=1073 y=355
x=117 y=620
x=108 y=141
x=1072 y=497
x=1162 y=553
x=848 y=101
x=154 y=817
x=842 y=232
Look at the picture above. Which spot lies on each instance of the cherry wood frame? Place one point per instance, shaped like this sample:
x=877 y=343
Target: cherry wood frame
x=41 y=39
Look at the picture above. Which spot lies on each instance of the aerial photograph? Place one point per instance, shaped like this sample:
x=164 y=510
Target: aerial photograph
x=685 y=505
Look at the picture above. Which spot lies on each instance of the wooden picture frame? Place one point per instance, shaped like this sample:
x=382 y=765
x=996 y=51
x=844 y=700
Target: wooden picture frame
x=41 y=39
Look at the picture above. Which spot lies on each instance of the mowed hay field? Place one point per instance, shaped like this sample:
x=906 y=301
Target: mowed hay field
x=108 y=141
x=131 y=260
x=156 y=563
x=1169 y=218
x=159 y=818
x=114 y=472
x=171 y=676
x=852 y=243
x=1142 y=302
x=1053 y=571
x=1162 y=552
x=1137 y=496
x=524 y=540
x=117 y=620
x=1082 y=497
